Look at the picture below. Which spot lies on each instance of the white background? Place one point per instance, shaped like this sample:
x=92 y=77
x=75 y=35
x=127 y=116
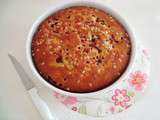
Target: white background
x=17 y=16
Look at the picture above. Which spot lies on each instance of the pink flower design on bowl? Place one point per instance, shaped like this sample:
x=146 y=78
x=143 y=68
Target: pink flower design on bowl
x=137 y=80
x=70 y=100
x=120 y=97
x=67 y=100
x=112 y=109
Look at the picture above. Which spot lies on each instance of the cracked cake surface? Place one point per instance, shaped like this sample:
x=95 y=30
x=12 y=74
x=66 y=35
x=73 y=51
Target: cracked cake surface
x=81 y=49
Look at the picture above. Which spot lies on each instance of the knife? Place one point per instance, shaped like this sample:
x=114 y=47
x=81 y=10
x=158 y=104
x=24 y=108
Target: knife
x=32 y=91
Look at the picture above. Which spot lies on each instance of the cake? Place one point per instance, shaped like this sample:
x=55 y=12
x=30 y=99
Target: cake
x=81 y=49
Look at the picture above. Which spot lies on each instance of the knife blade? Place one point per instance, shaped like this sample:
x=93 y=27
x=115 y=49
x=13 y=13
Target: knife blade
x=28 y=84
x=32 y=91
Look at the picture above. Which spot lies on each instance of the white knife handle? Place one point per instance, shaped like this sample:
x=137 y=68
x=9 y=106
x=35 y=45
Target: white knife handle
x=40 y=105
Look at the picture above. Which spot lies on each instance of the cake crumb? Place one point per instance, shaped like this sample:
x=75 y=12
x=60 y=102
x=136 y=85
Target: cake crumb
x=122 y=55
x=67 y=88
x=50 y=46
x=99 y=71
x=78 y=81
x=117 y=33
x=81 y=75
x=50 y=52
x=33 y=54
x=114 y=66
x=90 y=84
x=42 y=63
x=120 y=60
x=83 y=71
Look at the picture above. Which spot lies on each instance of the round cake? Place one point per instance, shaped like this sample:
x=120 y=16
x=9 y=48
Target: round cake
x=81 y=49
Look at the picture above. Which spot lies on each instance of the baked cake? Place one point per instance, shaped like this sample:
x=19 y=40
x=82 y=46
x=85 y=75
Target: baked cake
x=81 y=49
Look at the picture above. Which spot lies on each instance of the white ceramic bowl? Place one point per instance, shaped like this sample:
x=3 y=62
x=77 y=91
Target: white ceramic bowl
x=78 y=3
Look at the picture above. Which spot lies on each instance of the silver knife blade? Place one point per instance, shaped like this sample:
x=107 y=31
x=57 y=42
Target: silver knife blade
x=27 y=82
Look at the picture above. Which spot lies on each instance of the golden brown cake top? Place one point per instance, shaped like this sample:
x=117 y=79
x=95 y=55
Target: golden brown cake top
x=81 y=49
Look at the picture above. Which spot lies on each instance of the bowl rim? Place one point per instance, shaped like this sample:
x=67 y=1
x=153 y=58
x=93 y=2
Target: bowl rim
x=80 y=3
